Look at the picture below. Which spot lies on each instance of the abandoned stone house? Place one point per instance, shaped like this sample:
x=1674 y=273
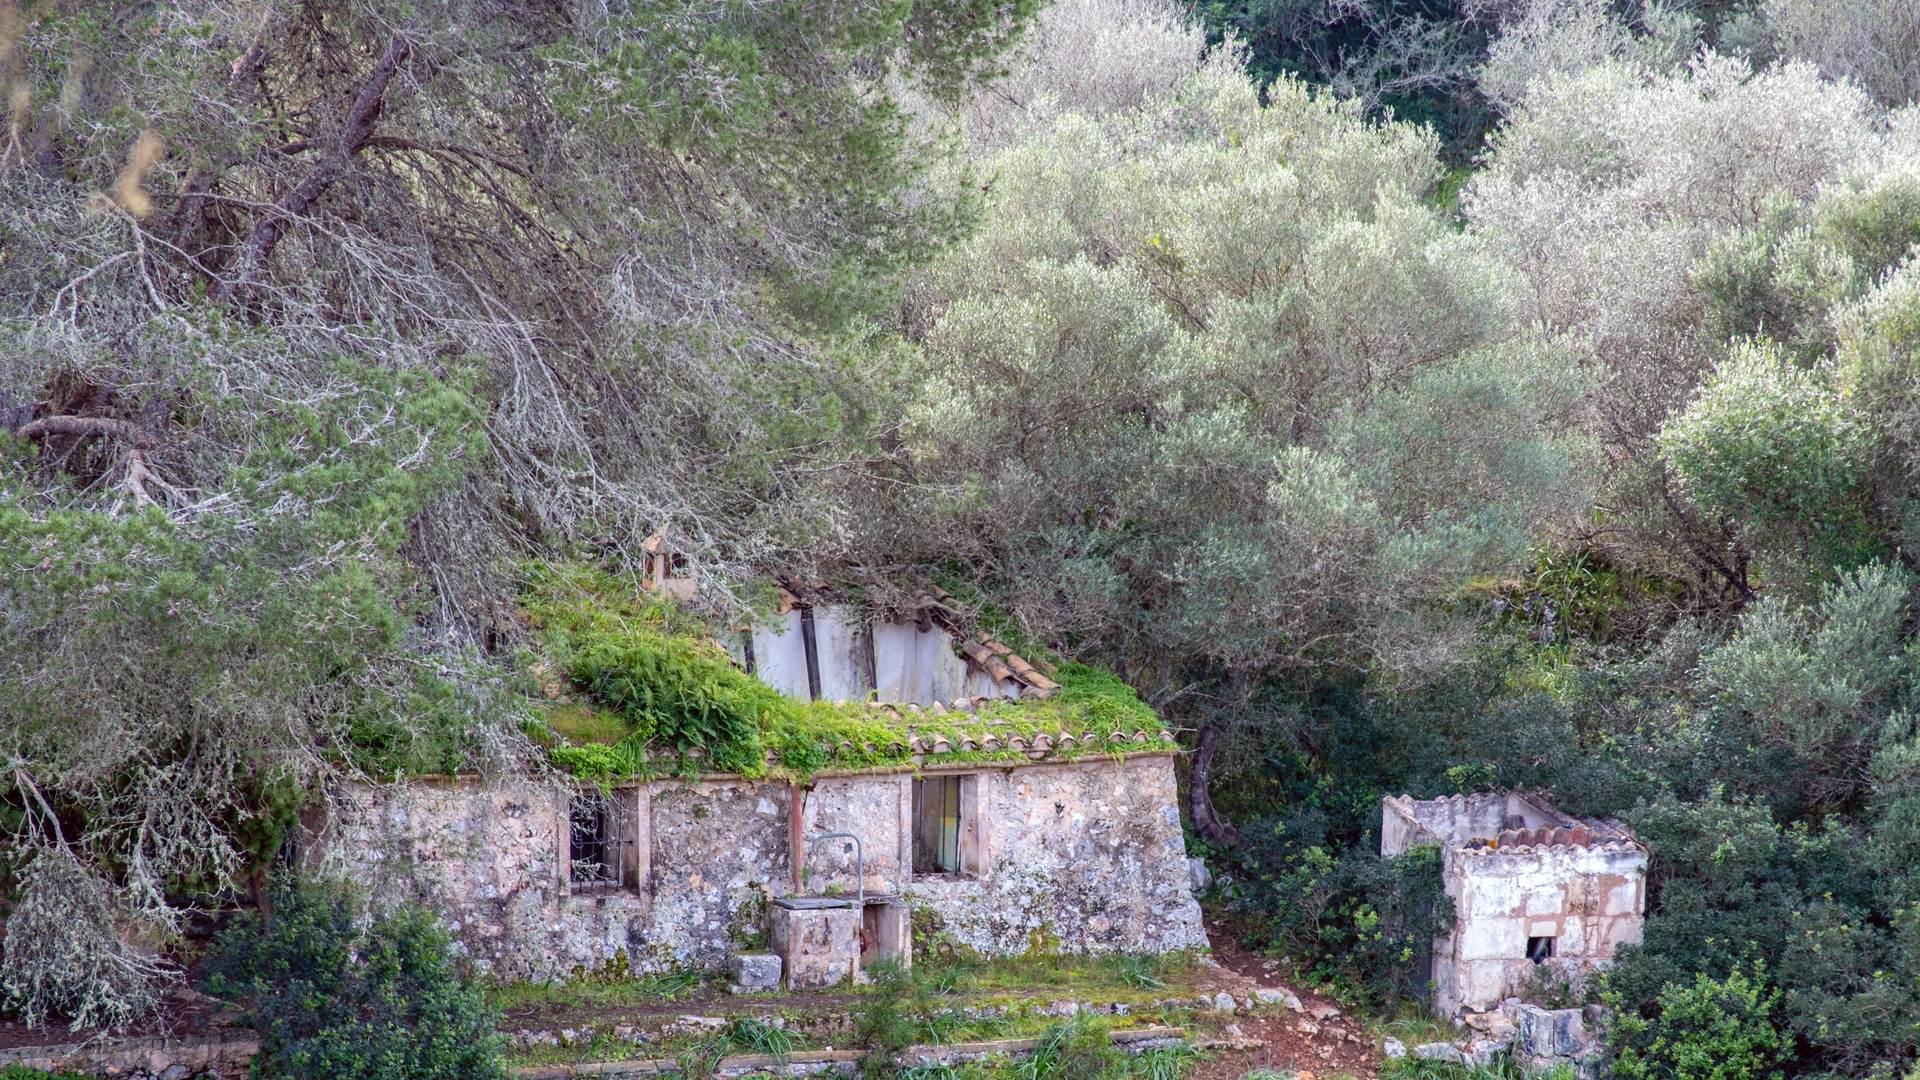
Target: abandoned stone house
x=1530 y=886
x=995 y=838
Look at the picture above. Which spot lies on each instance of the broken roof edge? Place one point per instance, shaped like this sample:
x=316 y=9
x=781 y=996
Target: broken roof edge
x=1468 y=836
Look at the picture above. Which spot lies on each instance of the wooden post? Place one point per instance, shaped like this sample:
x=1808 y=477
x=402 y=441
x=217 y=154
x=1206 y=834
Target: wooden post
x=796 y=828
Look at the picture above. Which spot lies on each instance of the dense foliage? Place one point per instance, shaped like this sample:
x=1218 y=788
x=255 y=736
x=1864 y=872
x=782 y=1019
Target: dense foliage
x=679 y=702
x=334 y=997
x=1570 y=443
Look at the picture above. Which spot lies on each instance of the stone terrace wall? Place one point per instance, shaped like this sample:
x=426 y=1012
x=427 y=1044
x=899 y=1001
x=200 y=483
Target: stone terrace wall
x=1086 y=857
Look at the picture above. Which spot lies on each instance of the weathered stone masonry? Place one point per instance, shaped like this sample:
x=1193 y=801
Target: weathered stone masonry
x=1530 y=886
x=1083 y=855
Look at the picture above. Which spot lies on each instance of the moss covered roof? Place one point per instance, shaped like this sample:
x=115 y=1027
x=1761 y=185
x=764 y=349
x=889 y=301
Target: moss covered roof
x=637 y=687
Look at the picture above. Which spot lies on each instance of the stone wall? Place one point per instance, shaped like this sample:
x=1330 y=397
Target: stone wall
x=141 y=1059
x=1082 y=856
x=1085 y=856
x=1518 y=869
x=1589 y=900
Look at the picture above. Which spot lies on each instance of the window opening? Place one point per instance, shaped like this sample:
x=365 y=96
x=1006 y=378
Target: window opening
x=1539 y=949
x=812 y=647
x=597 y=852
x=936 y=825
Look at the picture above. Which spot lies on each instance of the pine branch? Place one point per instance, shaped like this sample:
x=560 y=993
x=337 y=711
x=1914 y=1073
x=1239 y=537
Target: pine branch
x=354 y=135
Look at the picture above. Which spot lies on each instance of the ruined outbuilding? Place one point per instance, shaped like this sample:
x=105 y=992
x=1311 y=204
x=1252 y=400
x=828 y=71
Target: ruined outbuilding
x=1530 y=886
x=997 y=832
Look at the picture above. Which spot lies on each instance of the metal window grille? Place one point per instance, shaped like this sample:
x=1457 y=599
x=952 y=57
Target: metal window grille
x=599 y=845
x=936 y=825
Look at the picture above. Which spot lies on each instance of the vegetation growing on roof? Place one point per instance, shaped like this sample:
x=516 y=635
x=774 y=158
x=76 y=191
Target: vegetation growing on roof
x=656 y=693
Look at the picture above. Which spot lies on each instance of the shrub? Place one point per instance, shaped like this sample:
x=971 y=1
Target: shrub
x=677 y=689
x=1365 y=920
x=1711 y=1030
x=333 y=999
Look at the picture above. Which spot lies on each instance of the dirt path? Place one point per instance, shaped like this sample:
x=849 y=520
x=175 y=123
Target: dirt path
x=1318 y=1043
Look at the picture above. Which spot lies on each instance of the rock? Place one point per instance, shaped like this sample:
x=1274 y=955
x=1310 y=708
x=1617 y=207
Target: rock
x=1481 y=1053
x=1439 y=1051
x=1233 y=1031
x=569 y=1037
x=174 y=1072
x=1307 y=1027
x=1324 y=1012
x=1198 y=876
x=1550 y=1033
x=1223 y=1002
x=1393 y=1048
x=1121 y=1008
x=1063 y=1008
x=755 y=971
x=1269 y=996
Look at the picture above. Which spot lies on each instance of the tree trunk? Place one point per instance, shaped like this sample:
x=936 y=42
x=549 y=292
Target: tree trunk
x=1199 y=802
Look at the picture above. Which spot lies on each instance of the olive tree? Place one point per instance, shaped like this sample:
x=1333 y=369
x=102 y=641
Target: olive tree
x=1213 y=392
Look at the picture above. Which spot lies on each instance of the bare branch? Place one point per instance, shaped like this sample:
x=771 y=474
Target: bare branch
x=87 y=425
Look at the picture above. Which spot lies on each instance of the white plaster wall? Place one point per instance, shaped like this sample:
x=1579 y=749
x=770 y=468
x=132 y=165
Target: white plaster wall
x=1458 y=819
x=842 y=652
x=779 y=654
x=912 y=665
x=1399 y=832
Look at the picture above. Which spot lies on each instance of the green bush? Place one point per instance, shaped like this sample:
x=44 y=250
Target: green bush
x=675 y=689
x=1365 y=921
x=333 y=999
x=1711 y=1030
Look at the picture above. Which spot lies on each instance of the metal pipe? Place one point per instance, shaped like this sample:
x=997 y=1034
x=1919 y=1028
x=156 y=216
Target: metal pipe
x=859 y=863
